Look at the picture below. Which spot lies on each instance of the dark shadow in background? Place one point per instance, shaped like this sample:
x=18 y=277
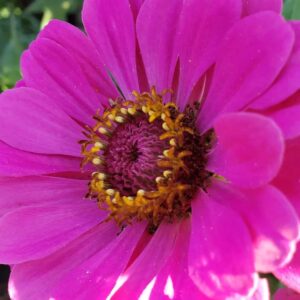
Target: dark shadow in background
x=4 y=274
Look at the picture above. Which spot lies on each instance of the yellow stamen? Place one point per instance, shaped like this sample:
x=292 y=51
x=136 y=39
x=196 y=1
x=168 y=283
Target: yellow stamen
x=132 y=110
x=101 y=176
x=110 y=192
x=165 y=126
x=99 y=145
x=119 y=119
x=124 y=111
x=111 y=117
x=103 y=130
x=141 y=193
x=96 y=161
x=159 y=179
x=166 y=153
x=167 y=173
x=173 y=142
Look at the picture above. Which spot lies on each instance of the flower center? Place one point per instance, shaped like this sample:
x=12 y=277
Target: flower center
x=149 y=159
x=131 y=155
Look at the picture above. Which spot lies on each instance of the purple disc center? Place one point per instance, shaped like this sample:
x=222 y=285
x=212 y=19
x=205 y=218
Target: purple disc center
x=132 y=154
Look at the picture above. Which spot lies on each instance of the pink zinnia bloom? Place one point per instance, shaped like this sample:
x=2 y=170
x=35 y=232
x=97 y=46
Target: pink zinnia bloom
x=198 y=188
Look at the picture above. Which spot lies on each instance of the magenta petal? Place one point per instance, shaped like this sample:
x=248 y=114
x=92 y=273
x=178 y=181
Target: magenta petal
x=159 y=60
x=30 y=121
x=254 y=6
x=249 y=149
x=276 y=225
x=110 y=26
x=289 y=175
x=43 y=66
x=203 y=24
x=14 y=162
x=135 y=6
x=286 y=115
x=290 y=274
x=220 y=256
x=80 y=48
x=34 y=232
x=187 y=290
x=38 y=279
x=287 y=82
x=272 y=221
x=173 y=281
x=95 y=278
x=262 y=292
x=36 y=191
x=286 y=294
x=251 y=57
x=174 y=272
x=20 y=83
x=149 y=263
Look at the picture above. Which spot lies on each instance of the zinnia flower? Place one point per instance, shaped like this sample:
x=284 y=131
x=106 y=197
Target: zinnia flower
x=155 y=157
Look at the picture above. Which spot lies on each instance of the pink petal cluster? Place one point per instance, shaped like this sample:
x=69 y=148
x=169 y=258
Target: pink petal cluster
x=286 y=294
x=243 y=59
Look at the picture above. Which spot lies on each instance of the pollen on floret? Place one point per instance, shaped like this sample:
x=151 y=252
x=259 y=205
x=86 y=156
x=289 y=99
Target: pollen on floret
x=96 y=161
x=103 y=130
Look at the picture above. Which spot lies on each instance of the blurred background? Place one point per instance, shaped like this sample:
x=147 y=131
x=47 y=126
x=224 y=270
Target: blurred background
x=21 y=20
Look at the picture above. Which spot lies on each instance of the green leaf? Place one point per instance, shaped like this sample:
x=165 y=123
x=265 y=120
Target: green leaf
x=291 y=9
x=10 y=54
x=58 y=9
x=10 y=72
x=16 y=31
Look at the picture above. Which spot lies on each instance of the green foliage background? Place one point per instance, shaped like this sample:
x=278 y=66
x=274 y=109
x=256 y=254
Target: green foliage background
x=20 y=22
